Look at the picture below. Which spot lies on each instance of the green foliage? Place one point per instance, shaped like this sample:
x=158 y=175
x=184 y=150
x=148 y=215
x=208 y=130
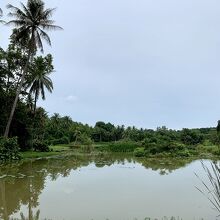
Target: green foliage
x=38 y=78
x=191 y=137
x=39 y=145
x=62 y=140
x=9 y=149
x=139 y=152
x=184 y=153
x=106 y=132
x=85 y=140
x=120 y=146
x=176 y=146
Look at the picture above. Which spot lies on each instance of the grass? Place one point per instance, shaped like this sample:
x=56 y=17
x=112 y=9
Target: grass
x=199 y=152
x=60 y=148
x=119 y=146
x=32 y=154
x=55 y=151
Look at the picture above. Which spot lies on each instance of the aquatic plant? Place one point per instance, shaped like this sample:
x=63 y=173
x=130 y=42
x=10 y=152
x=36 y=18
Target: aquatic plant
x=211 y=188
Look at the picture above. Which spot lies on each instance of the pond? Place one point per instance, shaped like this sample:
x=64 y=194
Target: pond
x=103 y=187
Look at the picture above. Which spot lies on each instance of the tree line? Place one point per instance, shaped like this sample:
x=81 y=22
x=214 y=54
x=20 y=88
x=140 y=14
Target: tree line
x=24 y=75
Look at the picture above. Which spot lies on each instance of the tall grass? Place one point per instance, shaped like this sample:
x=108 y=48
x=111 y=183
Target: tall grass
x=119 y=146
x=211 y=188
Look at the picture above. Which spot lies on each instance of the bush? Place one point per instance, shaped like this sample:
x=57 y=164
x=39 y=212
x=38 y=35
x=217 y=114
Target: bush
x=9 y=149
x=191 y=137
x=40 y=146
x=175 y=146
x=154 y=150
x=86 y=143
x=139 y=152
x=184 y=153
x=63 y=140
x=85 y=140
x=122 y=146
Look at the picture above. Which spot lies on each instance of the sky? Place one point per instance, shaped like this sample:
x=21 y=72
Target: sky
x=146 y=63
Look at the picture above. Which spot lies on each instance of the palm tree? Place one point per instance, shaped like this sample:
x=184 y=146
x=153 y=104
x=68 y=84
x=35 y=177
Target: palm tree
x=77 y=134
x=31 y=21
x=1 y=14
x=30 y=101
x=39 y=77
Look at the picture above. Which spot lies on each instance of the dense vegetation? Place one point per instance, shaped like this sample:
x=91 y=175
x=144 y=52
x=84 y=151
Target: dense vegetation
x=24 y=77
x=35 y=130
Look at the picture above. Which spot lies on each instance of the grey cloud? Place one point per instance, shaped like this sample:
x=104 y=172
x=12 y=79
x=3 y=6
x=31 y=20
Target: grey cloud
x=146 y=63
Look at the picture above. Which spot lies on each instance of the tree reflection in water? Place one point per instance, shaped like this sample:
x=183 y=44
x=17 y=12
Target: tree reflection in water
x=22 y=183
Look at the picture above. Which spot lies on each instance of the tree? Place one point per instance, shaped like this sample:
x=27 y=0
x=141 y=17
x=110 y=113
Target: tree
x=218 y=134
x=191 y=137
x=31 y=22
x=218 y=129
x=39 y=77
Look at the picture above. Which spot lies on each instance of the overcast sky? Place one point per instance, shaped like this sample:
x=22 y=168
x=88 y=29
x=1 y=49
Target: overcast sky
x=146 y=63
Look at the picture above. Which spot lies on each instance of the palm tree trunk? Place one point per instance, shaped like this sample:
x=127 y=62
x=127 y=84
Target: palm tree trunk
x=17 y=94
x=35 y=102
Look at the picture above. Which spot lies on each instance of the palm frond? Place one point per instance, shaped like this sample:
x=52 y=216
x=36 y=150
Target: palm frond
x=45 y=36
x=39 y=77
x=39 y=41
x=27 y=12
x=16 y=12
x=34 y=19
x=50 y=27
x=16 y=23
x=1 y=14
x=48 y=13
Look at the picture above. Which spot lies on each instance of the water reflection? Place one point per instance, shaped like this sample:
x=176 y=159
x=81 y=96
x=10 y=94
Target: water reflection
x=21 y=184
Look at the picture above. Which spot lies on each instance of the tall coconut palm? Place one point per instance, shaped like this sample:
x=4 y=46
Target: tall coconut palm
x=31 y=21
x=39 y=77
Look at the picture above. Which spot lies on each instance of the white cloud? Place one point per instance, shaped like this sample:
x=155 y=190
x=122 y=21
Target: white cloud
x=71 y=98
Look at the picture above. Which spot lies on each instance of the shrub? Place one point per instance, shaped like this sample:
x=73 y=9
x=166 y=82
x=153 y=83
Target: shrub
x=63 y=140
x=86 y=143
x=191 y=137
x=175 y=146
x=184 y=153
x=122 y=146
x=9 y=149
x=139 y=152
x=40 y=146
x=154 y=150
x=85 y=140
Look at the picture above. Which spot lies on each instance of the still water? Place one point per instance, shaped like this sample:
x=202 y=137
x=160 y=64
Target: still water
x=104 y=187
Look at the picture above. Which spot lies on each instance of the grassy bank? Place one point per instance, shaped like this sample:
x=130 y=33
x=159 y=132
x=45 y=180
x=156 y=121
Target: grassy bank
x=54 y=151
x=62 y=150
x=134 y=148
x=153 y=151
